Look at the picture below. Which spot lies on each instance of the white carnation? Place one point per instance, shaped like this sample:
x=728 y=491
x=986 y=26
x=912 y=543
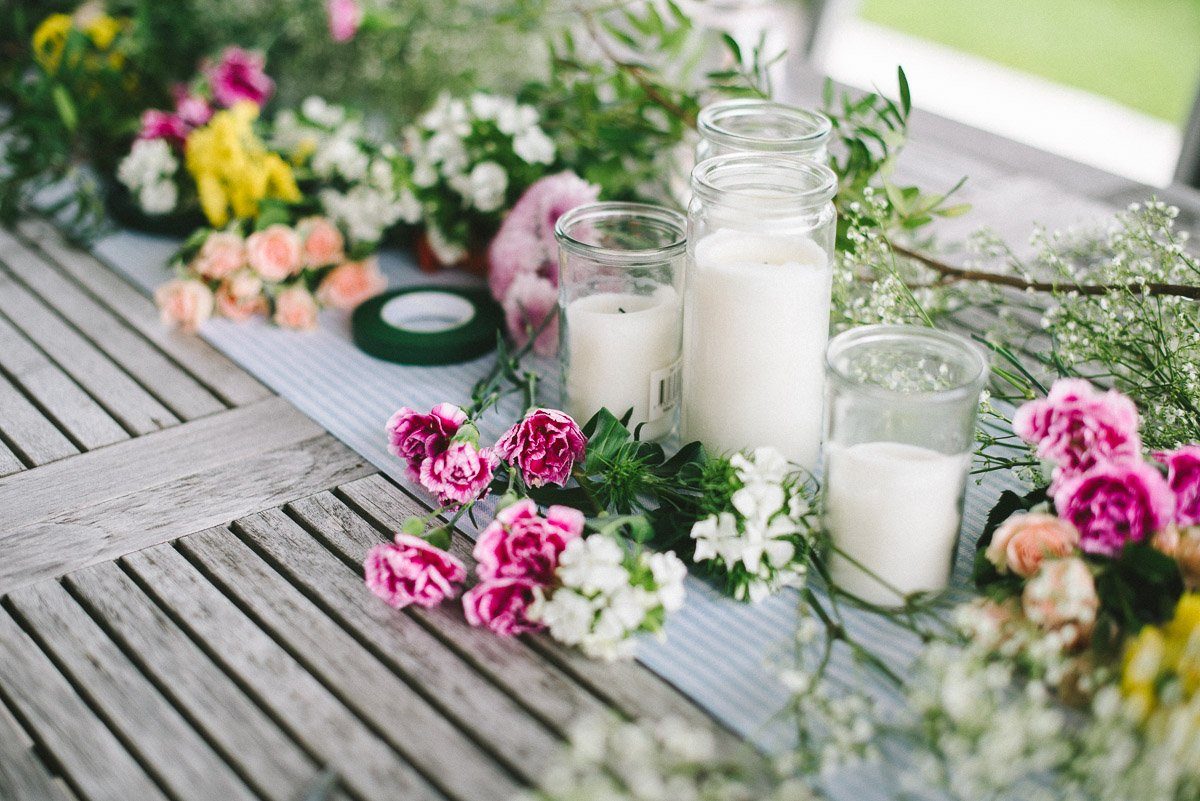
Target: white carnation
x=150 y=161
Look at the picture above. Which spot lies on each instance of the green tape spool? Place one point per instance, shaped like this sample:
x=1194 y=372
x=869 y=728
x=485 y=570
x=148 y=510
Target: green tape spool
x=427 y=325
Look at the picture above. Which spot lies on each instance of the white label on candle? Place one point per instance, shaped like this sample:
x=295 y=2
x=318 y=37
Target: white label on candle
x=754 y=354
x=619 y=344
x=664 y=390
x=896 y=510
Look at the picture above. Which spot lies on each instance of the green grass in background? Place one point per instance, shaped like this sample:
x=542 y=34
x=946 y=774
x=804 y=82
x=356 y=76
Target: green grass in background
x=1142 y=53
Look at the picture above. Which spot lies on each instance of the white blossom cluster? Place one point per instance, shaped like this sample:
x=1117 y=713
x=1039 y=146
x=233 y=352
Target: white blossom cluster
x=149 y=172
x=761 y=541
x=462 y=153
x=667 y=760
x=363 y=190
x=607 y=595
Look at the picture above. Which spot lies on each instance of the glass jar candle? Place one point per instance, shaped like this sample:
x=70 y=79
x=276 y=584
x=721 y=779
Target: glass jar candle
x=760 y=253
x=621 y=312
x=899 y=433
x=761 y=126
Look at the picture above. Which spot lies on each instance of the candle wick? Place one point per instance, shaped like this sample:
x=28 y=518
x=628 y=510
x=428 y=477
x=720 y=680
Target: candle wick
x=622 y=311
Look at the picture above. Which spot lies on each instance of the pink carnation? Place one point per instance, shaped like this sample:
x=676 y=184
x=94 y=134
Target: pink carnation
x=1183 y=476
x=190 y=107
x=411 y=571
x=501 y=605
x=1114 y=504
x=459 y=474
x=544 y=446
x=520 y=543
x=415 y=437
x=239 y=75
x=163 y=125
x=344 y=18
x=530 y=299
x=1077 y=427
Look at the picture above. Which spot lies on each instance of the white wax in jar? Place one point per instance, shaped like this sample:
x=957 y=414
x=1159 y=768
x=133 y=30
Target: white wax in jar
x=754 y=351
x=895 y=509
x=624 y=354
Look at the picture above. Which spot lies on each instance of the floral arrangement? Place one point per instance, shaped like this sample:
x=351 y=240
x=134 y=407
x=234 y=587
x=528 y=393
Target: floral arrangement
x=281 y=271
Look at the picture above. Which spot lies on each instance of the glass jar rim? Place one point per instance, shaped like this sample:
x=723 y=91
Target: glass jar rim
x=662 y=218
x=868 y=335
x=793 y=182
x=713 y=118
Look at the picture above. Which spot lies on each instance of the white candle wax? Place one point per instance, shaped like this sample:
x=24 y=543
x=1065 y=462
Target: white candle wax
x=624 y=354
x=895 y=509
x=757 y=326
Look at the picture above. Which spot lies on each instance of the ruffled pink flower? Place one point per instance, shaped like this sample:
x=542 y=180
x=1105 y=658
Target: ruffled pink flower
x=240 y=297
x=501 y=605
x=520 y=543
x=323 y=243
x=411 y=571
x=416 y=437
x=1183 y=476
x=163 y=125
x=350 y=283
x=544 y=446
x=276 y=252
x=529 y=300
x=459 y=474
x=1077 y=427
x=1115 y=503
x=193 y=109
x=344 y=18
x=239 y=75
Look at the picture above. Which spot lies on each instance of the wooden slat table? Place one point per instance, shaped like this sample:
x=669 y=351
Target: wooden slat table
x=183 y=613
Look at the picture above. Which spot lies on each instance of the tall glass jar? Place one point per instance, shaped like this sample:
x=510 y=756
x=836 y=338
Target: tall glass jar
x=620 y=296
x=761 y=126
x=900 y=430
x=760 y=269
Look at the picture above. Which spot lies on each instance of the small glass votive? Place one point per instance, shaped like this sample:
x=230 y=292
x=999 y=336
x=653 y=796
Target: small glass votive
x=899 y=434
x=620 y=297
x=761 y=126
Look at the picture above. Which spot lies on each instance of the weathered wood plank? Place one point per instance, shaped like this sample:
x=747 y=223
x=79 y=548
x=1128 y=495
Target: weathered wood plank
x=9 y=463
x=186 y=765
x=442 y=752
x=178 y=390
x=28 y=430
x=492 y=715
x=267 y=758
x=135 y=408
x=106 y=530
x=628 y=686
x=527 y=677
x=310 y=711
x=230 y=382
x=62 y=399
x=23 y=777
x=87 y=751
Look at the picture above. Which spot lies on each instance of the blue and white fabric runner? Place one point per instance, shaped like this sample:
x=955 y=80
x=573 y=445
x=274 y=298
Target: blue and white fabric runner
x=717 y=651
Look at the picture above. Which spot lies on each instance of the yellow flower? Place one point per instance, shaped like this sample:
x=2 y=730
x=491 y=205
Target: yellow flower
x=233 y=169
x=101 y=30
x=1164 y=655
x=49 y=40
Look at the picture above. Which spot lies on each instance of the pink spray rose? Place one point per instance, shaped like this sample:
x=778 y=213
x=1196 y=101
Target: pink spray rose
x=544 y=446
x=239 y=76
x=1183 y=476
x=190 y=107
x=1114 y=504
x=349 y=284
x=411 y=571
x=459 y=474
x=223 y=253
x=322 y=241
x=416 y=437
x=520 y=543
x=240 y=296
x=296 y=308
x=163 y=125
x=1063 y=593
x=500 y=605
x=185 y=303
x=344 y=18
x=1024 y=540
x=275 y=252
x=1076 y=427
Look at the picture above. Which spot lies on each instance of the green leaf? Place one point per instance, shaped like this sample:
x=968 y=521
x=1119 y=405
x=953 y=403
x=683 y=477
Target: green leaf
x=65 y=106
x=605 y=435
x=1142 y=585
x=1010 y=503
x=905 y=93
x=734 y=49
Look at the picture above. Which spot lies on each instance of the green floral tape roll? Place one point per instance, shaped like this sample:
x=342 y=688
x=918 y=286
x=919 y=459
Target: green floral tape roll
x=427 y=325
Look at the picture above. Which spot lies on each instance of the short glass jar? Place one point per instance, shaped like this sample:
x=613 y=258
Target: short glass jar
x=760 y=269
x=621 y=268
x=899 y=434
x=761 y=126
